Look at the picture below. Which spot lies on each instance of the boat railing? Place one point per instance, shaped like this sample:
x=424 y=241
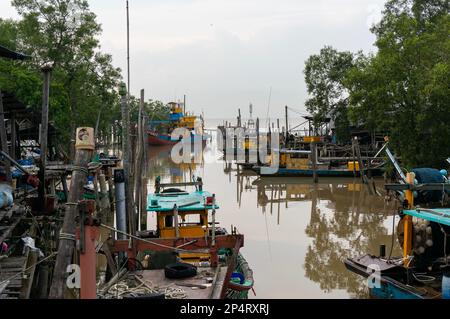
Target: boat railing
x=160 y=186
x=418 y=187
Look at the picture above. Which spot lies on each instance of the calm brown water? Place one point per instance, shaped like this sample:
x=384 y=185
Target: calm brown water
x=297 y=234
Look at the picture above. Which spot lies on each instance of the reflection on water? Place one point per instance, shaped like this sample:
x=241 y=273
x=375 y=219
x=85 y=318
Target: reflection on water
x=297 y=233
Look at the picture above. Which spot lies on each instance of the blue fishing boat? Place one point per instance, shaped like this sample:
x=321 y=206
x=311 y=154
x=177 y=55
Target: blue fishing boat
x=161 y=132
x=423 y=271
x=303 y=163
x=190 y=216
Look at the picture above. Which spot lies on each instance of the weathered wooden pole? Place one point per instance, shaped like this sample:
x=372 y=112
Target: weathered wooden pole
x=46 y=71
x=257 y=142
x=126 y=155
x=239 y=118
x=105 y=210
x=138 y=160
x=84 y=147
x=13 y=153
x=287 y=124
x=314 y=161
x=4 y=139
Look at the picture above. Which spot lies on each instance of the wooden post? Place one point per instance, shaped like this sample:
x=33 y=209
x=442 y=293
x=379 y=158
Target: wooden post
x=407 y=222
x=64 y=186
x=126 y=154
x=4 y=139
x=67 y=234
x=111 y=191
x=46 y=71
x=104 y=199
x=13 y=153
x=354 y=157
x=138 y=159
x=314 y=161
x=287 y=124
x=175 y=220
x=145 y=171
x=257 y=142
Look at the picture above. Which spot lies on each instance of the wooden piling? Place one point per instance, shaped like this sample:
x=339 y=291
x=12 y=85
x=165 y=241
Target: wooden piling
x=4 y=139
x=126 y=157
x=287 y=124
x=46 y=71
x=138 y=160
x=13 y=153
x=314 y=161
x=67 y=233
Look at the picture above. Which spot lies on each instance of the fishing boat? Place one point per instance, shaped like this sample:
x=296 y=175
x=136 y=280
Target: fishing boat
x=161 y=132
x=306 y=162
x=423 y=270
x=189 y=219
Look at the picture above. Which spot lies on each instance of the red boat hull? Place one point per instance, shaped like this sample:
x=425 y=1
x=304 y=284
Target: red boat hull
x=157 y=141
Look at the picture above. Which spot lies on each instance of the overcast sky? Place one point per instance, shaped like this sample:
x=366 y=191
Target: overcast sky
x=224 y=54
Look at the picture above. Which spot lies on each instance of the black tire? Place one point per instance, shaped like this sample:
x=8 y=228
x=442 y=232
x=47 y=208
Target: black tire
x=180 y=270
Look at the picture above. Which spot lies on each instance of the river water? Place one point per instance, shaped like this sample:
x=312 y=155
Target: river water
x=297 y=234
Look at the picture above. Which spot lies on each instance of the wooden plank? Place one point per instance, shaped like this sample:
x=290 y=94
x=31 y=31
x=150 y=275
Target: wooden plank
x=6 y=234
x=109 y=258
x=27 y=281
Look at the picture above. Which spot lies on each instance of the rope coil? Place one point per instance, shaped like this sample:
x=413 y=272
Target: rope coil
x=67 y=236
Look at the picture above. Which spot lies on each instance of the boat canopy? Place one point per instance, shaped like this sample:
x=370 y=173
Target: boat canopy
x=437 y=215
x=165 y=202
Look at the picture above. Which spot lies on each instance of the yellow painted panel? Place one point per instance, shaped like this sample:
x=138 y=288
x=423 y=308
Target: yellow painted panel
x=310 y=139
x=354 y=187
x=185 y=232
x=352 y=164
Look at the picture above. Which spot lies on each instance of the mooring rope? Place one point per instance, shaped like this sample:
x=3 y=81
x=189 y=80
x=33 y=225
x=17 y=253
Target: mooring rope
x=144 y=240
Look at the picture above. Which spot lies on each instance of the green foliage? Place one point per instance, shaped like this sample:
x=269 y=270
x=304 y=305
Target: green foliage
x=403 y=88
x=83 y=79
x=155 y=110
x=324 y=77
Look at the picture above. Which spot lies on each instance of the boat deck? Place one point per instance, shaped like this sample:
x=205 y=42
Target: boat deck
x=207 y=284
x=212 y=291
